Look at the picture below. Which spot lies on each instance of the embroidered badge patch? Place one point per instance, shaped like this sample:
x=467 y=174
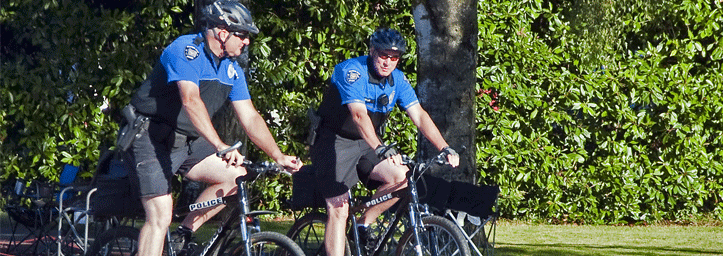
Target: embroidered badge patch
x=191 y=53
x=232 y=74
x=352 y=76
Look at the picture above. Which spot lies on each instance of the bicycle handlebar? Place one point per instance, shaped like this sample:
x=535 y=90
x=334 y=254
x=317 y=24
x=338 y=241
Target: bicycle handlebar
x=256 y=169
x=264 y=167
x=235 y=146
x=439 y=159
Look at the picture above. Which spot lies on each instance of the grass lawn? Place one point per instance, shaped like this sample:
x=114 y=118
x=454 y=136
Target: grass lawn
x=538 y=239
x=519 y=238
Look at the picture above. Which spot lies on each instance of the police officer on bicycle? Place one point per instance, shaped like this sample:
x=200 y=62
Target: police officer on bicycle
x=348 y=146
x=195 y=76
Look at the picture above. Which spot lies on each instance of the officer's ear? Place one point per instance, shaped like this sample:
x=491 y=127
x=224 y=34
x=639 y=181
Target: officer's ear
x=222 y=34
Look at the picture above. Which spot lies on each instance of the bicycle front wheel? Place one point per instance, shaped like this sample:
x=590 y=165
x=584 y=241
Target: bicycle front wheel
x=439 y=237
x=120 y=241
x=267 y=244
x=308 y=232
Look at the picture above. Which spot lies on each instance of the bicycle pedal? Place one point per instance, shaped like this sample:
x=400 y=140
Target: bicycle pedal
x=182 y=242
x=189 y=249
x=367 y=240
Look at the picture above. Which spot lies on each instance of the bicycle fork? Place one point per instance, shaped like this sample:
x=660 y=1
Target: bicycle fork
x=415 y=217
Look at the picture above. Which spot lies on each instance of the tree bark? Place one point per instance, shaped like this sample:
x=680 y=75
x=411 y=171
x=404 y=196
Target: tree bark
x=447 y=42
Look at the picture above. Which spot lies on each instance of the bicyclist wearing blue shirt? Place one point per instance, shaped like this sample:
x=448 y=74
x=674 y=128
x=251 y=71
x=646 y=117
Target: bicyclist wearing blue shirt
x=348 y=147
x=194 y=78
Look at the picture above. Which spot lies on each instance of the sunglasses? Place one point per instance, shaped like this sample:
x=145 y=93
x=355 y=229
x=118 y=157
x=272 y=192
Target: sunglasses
x=391 y=57
x=242 y=35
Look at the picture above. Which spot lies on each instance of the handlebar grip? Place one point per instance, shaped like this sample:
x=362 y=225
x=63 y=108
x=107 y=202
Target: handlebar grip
x=234 y=147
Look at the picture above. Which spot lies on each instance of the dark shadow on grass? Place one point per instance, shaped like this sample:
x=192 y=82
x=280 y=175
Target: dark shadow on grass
x=583 y=249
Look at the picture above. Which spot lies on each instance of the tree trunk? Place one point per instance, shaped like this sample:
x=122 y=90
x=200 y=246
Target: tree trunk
x=447 y=42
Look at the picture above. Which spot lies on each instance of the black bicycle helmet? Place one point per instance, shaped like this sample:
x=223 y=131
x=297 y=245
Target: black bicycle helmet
x=388 y=39
x=231 y=14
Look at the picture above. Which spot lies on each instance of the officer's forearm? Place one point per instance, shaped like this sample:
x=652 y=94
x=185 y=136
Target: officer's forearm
x=198 y=114
x=366 y=129
x=259 y=133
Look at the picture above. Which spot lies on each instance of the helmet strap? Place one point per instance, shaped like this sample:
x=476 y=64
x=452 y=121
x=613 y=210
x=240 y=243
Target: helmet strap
x=223 y=42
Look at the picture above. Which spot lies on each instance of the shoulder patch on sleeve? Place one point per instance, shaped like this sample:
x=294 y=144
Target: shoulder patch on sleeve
x=231 y=72
x=352 y=76
x=191 y=52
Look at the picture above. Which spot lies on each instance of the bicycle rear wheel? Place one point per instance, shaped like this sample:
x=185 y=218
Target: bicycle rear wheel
x=267 y=244
x=118 y=241
x=440 y=237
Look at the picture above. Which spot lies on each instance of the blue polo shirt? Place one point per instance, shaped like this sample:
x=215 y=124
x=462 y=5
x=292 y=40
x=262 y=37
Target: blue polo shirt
x=355 y=80
x=188 y=58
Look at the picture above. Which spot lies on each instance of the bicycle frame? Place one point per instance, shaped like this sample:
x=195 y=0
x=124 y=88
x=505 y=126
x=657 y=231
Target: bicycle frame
x=387 y=232
x=240 y=212
x=409 y=202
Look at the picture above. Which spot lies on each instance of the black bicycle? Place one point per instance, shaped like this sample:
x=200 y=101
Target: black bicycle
x=408 y=228
x=233 y=237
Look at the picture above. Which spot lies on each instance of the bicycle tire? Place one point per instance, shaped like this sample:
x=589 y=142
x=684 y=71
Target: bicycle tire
x=122 y=241
x=267 y=243
x=308 y=233
x=440 y=237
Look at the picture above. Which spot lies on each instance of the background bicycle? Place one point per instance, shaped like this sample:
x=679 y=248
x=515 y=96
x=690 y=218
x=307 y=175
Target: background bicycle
x=60 y=218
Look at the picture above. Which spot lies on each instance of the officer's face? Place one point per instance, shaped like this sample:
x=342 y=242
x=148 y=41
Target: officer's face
x=385 y=61
x=236 y=43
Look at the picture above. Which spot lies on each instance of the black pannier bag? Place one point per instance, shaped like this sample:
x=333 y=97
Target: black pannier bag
x=472 y=199
x=304 y=192
x=433 y=191
x=117 y=194
x=460 y=196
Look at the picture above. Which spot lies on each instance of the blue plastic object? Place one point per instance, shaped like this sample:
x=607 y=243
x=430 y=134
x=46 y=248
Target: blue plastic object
x=67 y=177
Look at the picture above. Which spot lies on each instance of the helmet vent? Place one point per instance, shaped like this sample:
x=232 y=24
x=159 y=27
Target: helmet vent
x=232 y=19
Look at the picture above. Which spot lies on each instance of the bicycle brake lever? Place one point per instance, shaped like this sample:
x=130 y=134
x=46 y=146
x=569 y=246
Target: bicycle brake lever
x=441 y=159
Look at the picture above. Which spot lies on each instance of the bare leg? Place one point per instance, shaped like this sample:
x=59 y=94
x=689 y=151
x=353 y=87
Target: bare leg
x=158 y=218
x=334 y=236
x=222 y=180
x=394 y=178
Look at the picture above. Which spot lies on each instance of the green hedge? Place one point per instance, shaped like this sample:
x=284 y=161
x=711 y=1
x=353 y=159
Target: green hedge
x=636 y=140
x=62 y=60
x=587 y=112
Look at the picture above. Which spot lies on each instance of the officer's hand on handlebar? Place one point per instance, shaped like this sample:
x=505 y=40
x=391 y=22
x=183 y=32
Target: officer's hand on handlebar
x=231 y=155
x=291 y=164
x=388 y=152
x=452 y=156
